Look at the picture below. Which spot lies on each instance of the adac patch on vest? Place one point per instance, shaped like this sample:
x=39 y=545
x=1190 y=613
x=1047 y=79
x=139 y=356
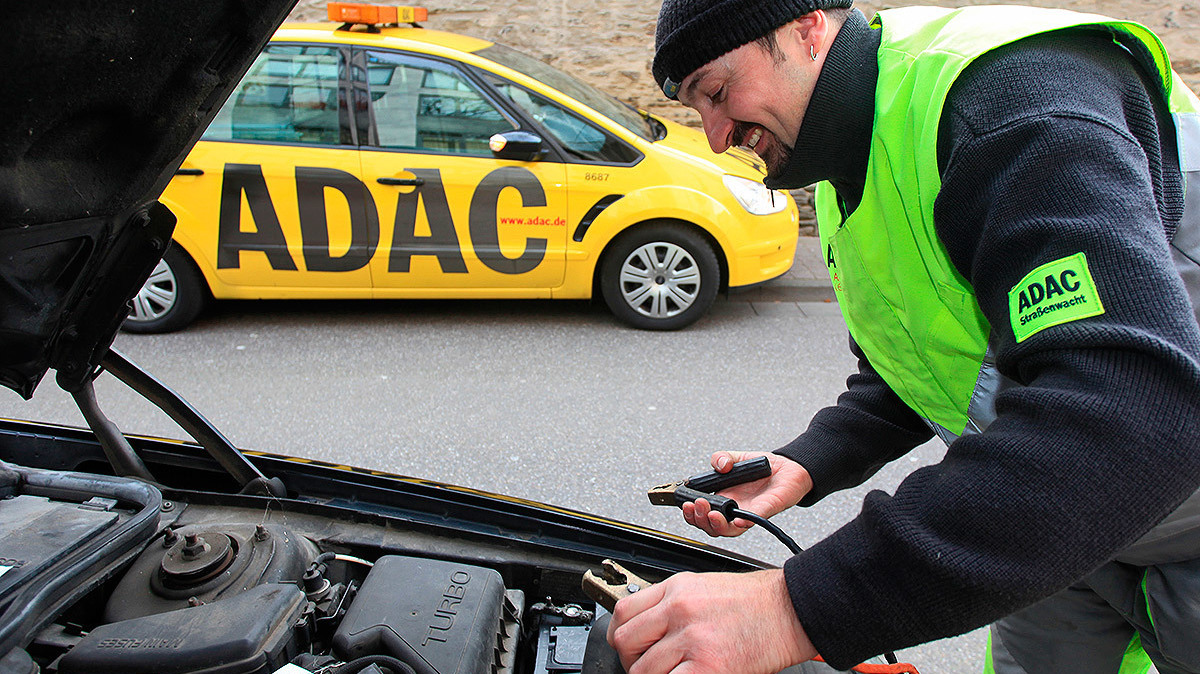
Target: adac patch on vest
x=1055 y=293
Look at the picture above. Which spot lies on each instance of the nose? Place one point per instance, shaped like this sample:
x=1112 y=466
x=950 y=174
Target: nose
x=719 y=130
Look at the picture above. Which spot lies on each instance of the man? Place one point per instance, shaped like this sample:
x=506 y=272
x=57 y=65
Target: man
x=1008 y=220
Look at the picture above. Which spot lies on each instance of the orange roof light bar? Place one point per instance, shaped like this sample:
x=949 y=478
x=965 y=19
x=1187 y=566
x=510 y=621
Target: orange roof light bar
x=358 y=12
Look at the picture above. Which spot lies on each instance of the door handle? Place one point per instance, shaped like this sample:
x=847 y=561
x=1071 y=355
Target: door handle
x=410 y=182
x=189 y=172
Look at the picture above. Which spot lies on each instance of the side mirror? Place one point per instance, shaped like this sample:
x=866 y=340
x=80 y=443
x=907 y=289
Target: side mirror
x=517 y=145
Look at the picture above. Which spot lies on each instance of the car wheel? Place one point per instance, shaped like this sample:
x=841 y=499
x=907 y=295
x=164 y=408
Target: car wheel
x=171 y=298
x=660 y=277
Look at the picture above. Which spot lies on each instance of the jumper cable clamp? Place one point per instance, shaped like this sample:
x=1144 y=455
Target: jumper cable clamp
x=614 y=582
x=705 y=485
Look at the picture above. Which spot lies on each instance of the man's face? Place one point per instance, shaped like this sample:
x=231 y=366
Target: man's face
x=754 y=99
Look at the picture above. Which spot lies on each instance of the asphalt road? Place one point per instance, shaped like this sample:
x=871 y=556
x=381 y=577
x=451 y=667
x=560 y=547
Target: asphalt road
x=550 y=401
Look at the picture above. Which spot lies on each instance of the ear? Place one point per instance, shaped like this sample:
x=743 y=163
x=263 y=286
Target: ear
x=810 y=30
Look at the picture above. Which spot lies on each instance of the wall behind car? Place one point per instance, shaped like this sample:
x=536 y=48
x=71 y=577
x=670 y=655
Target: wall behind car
x=610 y=43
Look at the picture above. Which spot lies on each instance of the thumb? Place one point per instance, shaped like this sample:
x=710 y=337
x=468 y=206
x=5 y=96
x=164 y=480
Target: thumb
x=724 y=460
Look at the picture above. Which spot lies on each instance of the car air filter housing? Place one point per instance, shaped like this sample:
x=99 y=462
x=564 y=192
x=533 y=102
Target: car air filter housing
x=439 y=617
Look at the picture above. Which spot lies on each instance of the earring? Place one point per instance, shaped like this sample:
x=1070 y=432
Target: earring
x=812 y=51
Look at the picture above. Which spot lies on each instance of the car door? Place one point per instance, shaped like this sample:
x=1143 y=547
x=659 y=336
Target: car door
x=456 y=221
x=271 y=201
x=600 y=168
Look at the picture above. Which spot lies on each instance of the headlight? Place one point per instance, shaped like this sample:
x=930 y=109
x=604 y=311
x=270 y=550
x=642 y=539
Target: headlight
x=754 y=196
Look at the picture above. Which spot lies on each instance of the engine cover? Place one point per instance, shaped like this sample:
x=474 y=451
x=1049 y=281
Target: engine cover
x=439 y=617
x=36 y=533
x=250 y=633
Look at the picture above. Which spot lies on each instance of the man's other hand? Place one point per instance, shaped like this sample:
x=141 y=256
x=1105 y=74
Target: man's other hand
x=787 y=484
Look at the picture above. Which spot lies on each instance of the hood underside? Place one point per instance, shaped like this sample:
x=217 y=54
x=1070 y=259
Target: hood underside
x=102 y=101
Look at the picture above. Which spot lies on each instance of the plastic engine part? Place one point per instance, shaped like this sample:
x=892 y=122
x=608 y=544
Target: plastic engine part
x=250 y=633
x=36 y=533
x=439 y=617
x=210 y=562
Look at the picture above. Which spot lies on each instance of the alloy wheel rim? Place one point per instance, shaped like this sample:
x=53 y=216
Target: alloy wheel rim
x=157 y=295
x=660 y=280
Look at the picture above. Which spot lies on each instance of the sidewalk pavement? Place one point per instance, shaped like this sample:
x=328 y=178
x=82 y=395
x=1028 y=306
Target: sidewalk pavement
x=806 y=281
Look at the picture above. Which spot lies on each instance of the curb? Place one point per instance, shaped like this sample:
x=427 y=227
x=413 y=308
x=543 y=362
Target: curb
x=784 y=291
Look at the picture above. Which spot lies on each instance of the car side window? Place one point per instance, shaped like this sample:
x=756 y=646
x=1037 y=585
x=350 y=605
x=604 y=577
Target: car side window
x=423 y=105
x=289 y=95
x=580 y=138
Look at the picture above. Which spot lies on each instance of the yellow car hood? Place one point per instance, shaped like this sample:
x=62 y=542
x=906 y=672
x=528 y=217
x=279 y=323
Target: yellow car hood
x=692 y=145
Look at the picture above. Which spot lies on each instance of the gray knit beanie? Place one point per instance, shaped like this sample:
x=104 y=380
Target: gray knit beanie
x=691 y=33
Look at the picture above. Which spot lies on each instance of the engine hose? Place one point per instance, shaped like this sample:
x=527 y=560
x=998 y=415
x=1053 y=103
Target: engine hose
x=387 y=662
x=82 y=569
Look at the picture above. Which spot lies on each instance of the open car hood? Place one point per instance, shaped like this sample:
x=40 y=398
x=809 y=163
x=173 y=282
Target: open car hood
x=101 y=103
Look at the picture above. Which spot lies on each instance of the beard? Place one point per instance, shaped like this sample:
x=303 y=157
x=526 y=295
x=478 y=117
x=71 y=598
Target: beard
x=777 y=157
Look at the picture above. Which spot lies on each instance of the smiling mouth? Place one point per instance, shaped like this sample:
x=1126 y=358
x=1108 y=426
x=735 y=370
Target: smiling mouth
x=748 y=136
x=755 y=136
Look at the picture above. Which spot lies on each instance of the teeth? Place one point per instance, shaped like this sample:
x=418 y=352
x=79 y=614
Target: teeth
x=754 y=138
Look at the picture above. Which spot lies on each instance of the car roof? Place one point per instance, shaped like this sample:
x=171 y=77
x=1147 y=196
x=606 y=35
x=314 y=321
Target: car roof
x=410 y=37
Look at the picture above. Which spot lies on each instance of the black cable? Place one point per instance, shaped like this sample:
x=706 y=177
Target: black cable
x=769 y=526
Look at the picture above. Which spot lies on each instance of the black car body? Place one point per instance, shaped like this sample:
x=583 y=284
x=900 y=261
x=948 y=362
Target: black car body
x=130 y=555
x=118 y=575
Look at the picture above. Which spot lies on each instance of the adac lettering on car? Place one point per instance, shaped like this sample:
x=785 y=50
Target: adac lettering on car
x=246 y=181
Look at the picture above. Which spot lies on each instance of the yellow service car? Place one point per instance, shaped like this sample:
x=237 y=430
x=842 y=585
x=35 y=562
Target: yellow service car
x=363 y=158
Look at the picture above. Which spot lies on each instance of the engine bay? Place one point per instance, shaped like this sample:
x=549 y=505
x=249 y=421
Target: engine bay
x=157 y=586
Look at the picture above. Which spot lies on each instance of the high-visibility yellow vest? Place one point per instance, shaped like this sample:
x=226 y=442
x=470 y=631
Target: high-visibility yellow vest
x=914 y=316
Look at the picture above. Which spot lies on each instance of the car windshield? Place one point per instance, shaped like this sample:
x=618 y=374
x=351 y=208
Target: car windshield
x=590 y=96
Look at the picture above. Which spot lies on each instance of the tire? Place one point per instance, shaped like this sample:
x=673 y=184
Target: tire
x=660 y=277
x=171 y=298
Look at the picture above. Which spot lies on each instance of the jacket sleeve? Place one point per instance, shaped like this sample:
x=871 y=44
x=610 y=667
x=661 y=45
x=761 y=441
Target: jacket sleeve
x=847 y=443
x=1051 y=148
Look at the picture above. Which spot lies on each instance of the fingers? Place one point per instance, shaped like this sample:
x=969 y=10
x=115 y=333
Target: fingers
x=642 y=629
x=700 y=515
x=693 y=623
x=724 y=527
x=635 y=625
x=721 y=461
x=660 y=657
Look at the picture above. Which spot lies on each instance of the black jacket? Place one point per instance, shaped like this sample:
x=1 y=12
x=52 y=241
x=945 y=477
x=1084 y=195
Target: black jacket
x=1047 y=147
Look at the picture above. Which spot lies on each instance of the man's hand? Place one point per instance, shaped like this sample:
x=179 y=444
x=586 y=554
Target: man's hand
x=711 y=622
x=787 y=484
